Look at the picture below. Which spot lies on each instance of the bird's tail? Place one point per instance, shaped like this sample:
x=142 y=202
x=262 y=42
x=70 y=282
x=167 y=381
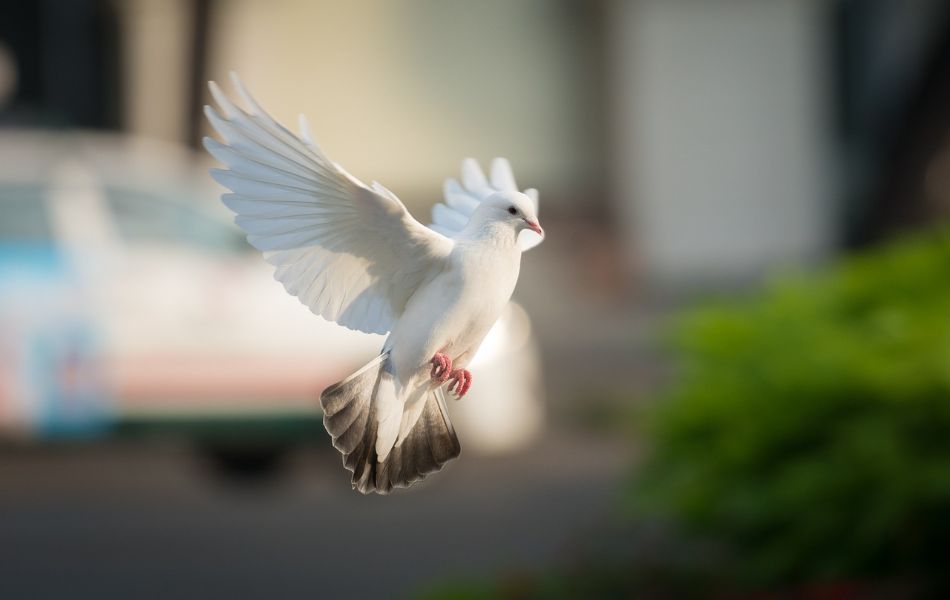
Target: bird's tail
x=351 y=416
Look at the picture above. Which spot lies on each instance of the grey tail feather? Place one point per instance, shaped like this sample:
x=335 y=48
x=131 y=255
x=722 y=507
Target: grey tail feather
x=349 y=415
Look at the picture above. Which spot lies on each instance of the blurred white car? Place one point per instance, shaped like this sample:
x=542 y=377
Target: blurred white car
x=129 y=301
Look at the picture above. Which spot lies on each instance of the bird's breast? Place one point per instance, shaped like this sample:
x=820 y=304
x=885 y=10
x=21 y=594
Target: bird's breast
x=454 y=311
x=485 y=283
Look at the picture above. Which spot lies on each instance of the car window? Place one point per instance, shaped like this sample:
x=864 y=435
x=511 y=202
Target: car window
x=145 y=217
x=23 y=215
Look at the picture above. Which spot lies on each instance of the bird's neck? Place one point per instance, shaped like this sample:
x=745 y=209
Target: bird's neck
x=490 y=232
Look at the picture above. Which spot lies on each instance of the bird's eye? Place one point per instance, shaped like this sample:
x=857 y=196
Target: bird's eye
x=512 y=210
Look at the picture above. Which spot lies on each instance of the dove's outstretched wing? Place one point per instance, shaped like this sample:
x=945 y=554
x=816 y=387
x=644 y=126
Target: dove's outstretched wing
x=350 y=252
x=451 y=215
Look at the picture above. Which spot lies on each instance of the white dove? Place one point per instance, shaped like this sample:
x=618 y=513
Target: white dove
x=353 y=254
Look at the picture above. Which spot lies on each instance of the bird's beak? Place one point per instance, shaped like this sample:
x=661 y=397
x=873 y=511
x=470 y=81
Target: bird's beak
x=535 y=227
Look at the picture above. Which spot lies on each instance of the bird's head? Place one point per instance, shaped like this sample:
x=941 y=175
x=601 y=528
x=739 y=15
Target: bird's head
x=513 y=208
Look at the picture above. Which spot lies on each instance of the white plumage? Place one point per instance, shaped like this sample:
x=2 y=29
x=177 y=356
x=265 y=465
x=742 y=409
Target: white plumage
x=450 y=216
x=353 y=254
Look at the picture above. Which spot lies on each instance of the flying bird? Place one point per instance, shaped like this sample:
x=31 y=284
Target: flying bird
x=353 y=254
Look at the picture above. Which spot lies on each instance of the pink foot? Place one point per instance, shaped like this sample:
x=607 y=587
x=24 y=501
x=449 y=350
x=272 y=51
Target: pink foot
x=461 y=381
x=441 y=367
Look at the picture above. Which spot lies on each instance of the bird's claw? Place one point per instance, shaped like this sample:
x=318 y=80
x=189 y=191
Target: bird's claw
x=461 y=381
x=441 y=367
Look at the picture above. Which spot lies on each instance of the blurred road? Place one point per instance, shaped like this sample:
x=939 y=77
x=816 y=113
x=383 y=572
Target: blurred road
x=147 y=521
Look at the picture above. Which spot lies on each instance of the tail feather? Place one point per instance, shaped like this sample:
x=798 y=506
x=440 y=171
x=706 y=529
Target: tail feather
x=350 y=417
x=389 y=408
x=430 y=444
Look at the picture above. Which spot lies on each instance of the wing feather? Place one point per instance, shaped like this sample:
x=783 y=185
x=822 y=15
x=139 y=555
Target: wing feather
x=352 y=253
x=450 y=217
x=473 y=179
x=501 y=176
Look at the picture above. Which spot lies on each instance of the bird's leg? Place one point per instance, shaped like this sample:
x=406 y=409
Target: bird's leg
x=461 y=380
x=441 y=367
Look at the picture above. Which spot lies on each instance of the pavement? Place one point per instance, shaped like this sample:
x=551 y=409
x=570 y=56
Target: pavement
x=149 y=520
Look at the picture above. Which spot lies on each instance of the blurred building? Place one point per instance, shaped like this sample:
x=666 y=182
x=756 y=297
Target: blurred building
x=721 y=141
x=713 y=139
x=420 y=86
x=678 y=145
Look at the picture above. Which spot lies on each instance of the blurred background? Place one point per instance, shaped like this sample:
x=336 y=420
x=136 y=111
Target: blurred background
x=726 y=372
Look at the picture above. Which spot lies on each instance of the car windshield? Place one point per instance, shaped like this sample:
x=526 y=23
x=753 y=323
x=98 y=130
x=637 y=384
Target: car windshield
x=146 y=217
x=23 y=214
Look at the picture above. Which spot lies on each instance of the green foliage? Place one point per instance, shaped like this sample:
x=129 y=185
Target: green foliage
x=809 y=428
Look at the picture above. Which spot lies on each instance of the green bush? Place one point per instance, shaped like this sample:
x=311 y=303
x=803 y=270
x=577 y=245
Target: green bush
x=808 y=429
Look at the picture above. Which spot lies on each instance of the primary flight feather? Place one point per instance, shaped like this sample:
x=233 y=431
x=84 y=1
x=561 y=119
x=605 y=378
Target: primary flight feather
x=353 y=254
